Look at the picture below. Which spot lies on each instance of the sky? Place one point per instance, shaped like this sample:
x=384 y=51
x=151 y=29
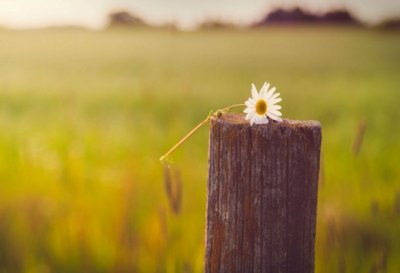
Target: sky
x=186 y=13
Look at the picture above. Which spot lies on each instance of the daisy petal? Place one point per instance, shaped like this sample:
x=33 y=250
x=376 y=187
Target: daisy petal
x=274 y=112
x=254 y=92
x=275 y=101
x=270 y=92
x=274 y=96
x=250 y=115
x=247 y=110
x=252 y=120
x=250 y=103
x=264 y=89
x=255 y=119
x=275 y=117
x=262 y=120
x=253 y=101
x=275 y=107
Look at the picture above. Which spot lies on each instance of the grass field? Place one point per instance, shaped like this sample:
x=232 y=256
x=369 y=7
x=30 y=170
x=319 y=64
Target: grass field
x=84 y=117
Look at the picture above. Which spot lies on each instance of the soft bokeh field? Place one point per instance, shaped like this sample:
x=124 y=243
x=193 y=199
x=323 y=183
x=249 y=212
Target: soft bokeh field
x=84 y=117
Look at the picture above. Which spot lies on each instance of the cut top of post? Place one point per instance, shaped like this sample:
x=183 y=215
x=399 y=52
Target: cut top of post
x=239 y=119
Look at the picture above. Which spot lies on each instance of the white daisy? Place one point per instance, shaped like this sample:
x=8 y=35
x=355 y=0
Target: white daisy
x=263 y=105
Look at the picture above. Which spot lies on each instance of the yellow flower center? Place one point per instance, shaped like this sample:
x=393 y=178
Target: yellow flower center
x=261 y=107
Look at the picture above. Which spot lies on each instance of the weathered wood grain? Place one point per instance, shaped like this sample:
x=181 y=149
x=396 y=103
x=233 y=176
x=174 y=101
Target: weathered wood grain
x=262 y=196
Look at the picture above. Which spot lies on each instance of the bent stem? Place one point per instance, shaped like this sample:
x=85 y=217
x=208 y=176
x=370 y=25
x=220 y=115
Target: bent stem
x=230 y=107
x=217 y=113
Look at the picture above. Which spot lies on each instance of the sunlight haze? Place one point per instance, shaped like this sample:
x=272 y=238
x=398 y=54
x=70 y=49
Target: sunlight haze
x=186 y=13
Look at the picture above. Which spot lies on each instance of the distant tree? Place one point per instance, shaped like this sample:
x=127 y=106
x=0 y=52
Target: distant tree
x=124 y=18
x=300 y=16
x=390 y=24
x=279 y=16
x=339 y=17
x=215 y=24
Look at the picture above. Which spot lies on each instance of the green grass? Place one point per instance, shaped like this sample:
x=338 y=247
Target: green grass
x=84 y=117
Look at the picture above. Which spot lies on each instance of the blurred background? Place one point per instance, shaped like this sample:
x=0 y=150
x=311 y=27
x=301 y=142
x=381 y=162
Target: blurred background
x=92 y=93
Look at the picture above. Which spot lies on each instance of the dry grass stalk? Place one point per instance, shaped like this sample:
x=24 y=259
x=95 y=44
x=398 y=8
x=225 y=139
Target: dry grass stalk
x=173 y=188
x=358 y=140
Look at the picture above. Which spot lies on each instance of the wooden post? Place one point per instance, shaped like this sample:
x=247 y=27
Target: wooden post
x=262 y=196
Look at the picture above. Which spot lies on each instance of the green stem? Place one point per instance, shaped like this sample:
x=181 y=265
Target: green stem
x=198 y=126
x=232 y=106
